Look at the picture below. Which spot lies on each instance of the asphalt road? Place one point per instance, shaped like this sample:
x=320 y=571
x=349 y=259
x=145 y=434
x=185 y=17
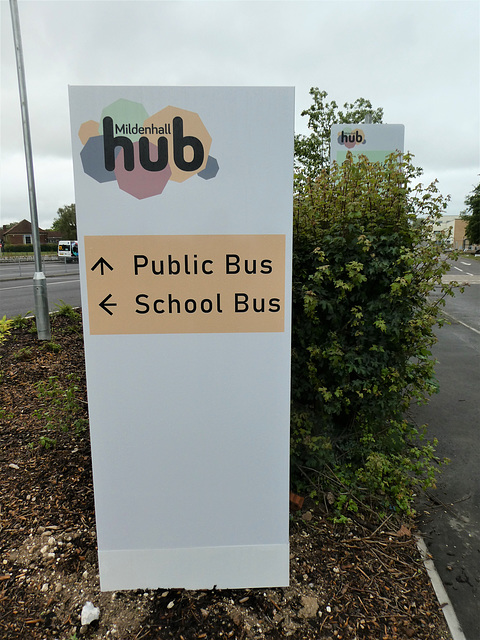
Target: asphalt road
x=16 y=286
x=450 y=514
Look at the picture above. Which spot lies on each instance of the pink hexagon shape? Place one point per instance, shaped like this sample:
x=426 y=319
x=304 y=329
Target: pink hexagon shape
x=141 y=183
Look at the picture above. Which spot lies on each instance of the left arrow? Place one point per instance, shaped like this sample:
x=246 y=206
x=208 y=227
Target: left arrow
x=104 y=304
x=102 y=263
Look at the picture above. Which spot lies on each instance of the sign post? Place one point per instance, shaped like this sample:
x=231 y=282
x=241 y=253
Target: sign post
x=184 y=204
x=40 y=294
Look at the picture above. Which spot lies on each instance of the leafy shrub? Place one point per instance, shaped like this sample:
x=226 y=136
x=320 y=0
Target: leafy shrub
x=364 y=263
x=28 y=248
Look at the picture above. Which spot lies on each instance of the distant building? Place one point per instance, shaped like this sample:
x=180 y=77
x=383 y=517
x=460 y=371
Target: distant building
x=21 y=233
x=458 y=239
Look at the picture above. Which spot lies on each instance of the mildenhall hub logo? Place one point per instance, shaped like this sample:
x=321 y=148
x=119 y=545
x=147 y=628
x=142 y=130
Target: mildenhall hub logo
x=350 y=138
x=141 y=152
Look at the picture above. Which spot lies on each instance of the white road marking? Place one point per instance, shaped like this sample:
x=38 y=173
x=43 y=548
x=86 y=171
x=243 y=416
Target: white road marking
x=49 y=284
x=460 y=322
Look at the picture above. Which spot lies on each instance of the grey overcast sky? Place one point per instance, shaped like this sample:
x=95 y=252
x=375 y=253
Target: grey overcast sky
x=419 y=60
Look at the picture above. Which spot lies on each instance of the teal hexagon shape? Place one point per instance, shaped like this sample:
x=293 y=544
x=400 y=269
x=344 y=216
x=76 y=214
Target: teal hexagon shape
x=126 y=115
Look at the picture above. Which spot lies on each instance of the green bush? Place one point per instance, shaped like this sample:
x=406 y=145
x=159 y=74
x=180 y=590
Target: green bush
x=364 y=263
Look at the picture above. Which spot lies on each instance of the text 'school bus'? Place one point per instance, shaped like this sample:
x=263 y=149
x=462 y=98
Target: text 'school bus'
x=68 y=250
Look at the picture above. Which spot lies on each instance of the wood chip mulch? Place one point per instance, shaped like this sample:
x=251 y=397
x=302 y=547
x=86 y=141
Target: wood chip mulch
x=361 y=581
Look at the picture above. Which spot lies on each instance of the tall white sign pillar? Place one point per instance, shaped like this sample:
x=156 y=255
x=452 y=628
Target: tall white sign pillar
x=184 y=217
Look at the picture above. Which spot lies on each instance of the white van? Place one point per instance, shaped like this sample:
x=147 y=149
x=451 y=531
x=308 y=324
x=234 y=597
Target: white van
x=68 y=250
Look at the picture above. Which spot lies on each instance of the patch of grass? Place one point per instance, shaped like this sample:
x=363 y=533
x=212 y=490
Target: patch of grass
x=5 y=415
x=62 y=409
x=25 y=353
x=47 y=443
x=5 y=327
x=54 y=347
x=67 y=311
x=21 y=322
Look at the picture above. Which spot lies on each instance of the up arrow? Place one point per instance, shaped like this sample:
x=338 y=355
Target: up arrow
x=102 y=263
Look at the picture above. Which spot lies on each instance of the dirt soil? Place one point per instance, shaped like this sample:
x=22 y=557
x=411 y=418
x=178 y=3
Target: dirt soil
x=361 y=581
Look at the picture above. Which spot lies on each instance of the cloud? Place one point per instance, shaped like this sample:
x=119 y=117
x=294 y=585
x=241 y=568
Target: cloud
x=418 y=60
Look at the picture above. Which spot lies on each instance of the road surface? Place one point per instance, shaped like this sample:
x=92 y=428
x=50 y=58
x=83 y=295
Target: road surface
x=450 y=514
x=16 y=286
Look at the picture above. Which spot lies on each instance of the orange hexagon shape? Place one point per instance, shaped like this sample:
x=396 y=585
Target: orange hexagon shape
x=188 y=140
x=88 y=130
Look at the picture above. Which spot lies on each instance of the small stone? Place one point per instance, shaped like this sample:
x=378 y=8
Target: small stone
x=13 y=466
x=45 y=587
x=307 y=516
x=310 y=607
x=89 y=613
x=170 y=604
x=236 y=617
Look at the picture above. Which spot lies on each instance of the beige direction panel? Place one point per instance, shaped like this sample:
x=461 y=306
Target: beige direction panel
x=185 y=284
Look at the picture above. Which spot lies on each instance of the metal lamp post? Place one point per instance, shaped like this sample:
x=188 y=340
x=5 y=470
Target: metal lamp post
x=39 y=281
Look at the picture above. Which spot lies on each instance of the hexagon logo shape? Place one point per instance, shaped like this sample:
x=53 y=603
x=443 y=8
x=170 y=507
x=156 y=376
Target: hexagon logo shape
x=210 y=170
x=88 y=130
x=188 y=140
x=140 y=182
x=92 y=160
x=126 y=115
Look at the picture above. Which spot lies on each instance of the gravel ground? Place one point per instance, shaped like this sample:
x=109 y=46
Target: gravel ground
x=361 y=581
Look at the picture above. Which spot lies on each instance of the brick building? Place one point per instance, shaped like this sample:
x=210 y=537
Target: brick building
x=21 y=233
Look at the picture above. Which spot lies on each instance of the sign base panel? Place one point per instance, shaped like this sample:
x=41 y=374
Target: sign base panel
x=239 y=567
